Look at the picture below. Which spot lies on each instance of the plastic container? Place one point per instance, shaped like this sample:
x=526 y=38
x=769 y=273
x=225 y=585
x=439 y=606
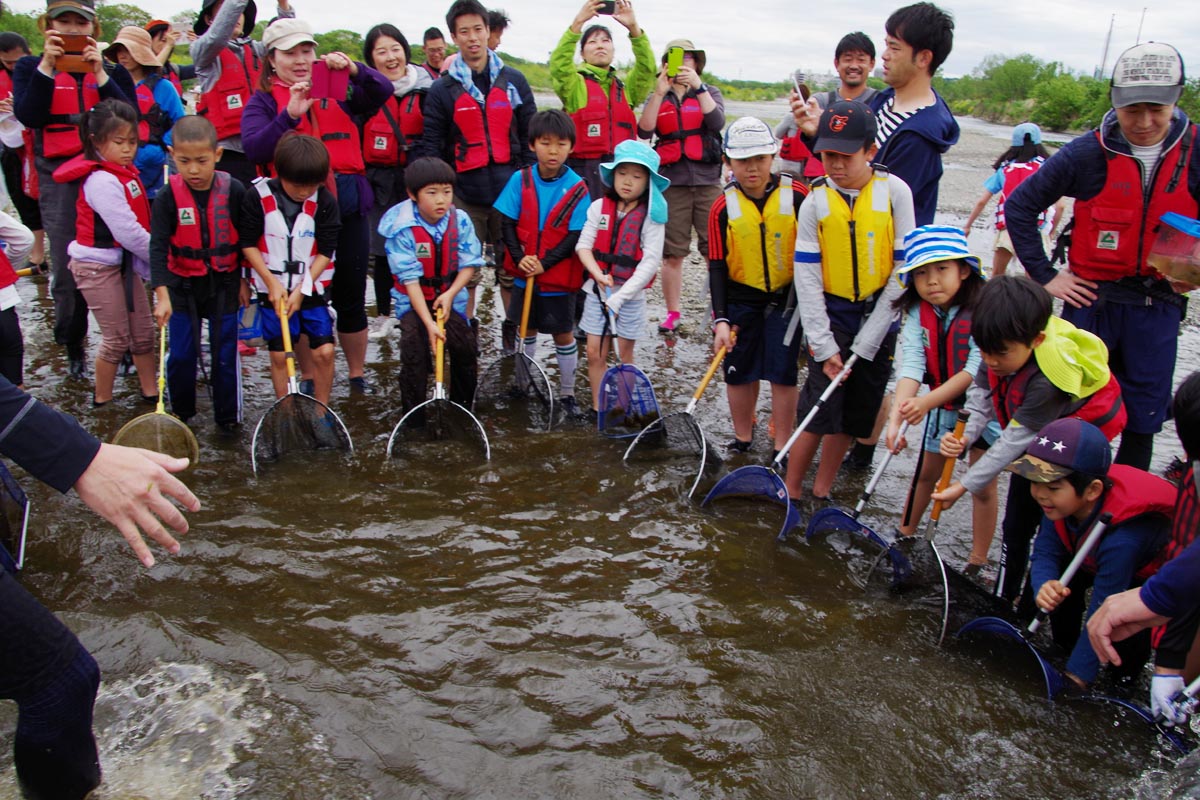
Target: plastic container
x=1176 y=248
x=250 y=327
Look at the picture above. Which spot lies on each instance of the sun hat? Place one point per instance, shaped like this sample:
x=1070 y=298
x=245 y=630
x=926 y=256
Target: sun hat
x=1073 y=359
x=930 y=243
x=139 y=44
x=1064 y=446
x=1151 y=72
x=286 y=33
x=1026 y=128
x=248 y=16
x=631 y=151
x=85 y=8
x=688 y=47
x=845 y=127
x=749 y=137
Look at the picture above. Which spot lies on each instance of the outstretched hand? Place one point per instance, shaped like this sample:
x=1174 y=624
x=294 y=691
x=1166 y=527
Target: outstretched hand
x=131 y=488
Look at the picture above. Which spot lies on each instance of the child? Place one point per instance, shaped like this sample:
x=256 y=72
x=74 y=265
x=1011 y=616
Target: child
x=111 y=250
x=543 y=212
x=621 y=248
x=1036 y=368
x=294 y=221
x=850 y=237
x=159 y=106
x=16 y=243
x=941 y=280
x=433 y=252
x=751 y=236
x=1074 y=481
x=195 y=270
x=1017 y=163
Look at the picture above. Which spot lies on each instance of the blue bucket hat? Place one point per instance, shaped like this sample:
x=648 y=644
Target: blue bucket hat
x=930 y=243
x=1018 y=134
x=632 y=151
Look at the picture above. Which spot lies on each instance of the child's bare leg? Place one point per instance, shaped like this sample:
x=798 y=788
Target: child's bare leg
x=799 y=460
x=833 y=450
x=597 y=356
x=783 y=412
x=147 y=367
x=304 y=361
x=354 y=346
x=984 y=510
x=672 y=281
x=625 y=350
x=106 y=375
x=1000 y=261
x=279 y=380
x=322 y=359
x=743 y=398
x=931 y=470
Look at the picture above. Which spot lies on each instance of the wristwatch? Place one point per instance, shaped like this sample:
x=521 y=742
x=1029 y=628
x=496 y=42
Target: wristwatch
x=703 y=88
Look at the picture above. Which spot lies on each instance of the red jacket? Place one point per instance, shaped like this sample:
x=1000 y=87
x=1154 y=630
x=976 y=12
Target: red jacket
x=618 y=246
x=329 y=122
x=1104 y=409
x=946 y=351
x=439 y=260
x=73 y=95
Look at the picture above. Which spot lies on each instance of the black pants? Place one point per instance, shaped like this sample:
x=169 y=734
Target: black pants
x=12 y=347
x=349 y=286
x=27 y=207
x=383 y=281
x=1022 y=516
x=462 y=348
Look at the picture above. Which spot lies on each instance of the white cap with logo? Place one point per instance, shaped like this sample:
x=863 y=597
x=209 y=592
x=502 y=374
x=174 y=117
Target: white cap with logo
x=749 y=137
x=1148 y=73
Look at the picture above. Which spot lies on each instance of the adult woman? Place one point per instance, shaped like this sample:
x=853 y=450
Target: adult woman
x=686 y=116
x=387 y=139
x=284 y=102
x=54 y=117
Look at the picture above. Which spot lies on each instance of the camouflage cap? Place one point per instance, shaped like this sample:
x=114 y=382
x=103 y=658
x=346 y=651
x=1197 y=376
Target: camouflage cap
x=1062 y=447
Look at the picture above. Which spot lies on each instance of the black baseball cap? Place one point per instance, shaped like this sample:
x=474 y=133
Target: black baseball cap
x=845 y=127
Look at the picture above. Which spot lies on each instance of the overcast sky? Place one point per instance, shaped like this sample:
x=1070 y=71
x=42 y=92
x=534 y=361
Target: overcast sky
x=766 y=39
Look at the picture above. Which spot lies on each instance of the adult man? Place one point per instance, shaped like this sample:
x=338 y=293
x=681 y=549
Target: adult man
x=435 y=52
x=1141 y=162
x=600 y=104
x=854 y=61
x=477 y=120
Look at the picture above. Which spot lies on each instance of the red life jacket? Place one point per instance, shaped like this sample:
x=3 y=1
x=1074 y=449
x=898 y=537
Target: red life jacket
x=6 y=84
x=566 y=275
x=224 y=102
x=946 y=350
x=1114 y=230
x=388 y=136
x=205 y=238
x=90 y=228
x=1104 y=408
x=1132 y=493
x=439 y=260
x=681 y=132
x=8 y=275
x=152 y=120
x=1186 y=520
x=1014 y=173
x=433 y=73
x=327 y=121
x=172 y=74
x=618 y=245
x=29 y=175
x=605 y=121
x=482 y=138
x=73 y=95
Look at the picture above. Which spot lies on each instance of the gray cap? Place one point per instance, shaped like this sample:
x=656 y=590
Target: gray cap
x=1148 y=73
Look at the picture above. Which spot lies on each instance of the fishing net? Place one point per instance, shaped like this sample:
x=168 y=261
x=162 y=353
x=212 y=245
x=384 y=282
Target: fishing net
x=297 y=423
x=14 y=522
x=161 y=432
x=458 y=433
x=675 y=436
x=757 y=482
x=515 y=390
x=627 y=402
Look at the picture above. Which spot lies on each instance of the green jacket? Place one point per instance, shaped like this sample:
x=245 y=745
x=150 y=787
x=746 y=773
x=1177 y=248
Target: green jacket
x=566 y=77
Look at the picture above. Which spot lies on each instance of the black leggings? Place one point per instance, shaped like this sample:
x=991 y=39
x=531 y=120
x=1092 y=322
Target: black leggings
x=383 y=285
x=349 y=284
x=12 y=347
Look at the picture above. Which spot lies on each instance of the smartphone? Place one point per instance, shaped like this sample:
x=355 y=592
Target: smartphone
x=674 y=61
x=798 y=78
x=72 y=59
x=329 y=83
x=607 y=7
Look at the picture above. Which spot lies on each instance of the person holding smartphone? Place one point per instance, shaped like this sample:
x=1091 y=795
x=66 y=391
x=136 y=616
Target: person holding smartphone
x=54 y=117
x=685 y=116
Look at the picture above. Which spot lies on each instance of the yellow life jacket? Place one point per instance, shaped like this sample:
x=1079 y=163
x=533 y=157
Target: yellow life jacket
x=856 y=245
x=762 y=246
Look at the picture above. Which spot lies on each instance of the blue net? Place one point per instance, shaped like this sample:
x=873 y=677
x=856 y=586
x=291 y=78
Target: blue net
x=830 y=520
x=627 y=402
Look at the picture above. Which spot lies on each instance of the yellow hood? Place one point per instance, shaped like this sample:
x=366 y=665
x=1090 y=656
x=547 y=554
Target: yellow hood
x=1074 y=360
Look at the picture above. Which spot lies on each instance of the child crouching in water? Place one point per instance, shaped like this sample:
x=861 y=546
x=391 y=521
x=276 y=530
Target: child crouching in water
x=110 y=255
x=432 y=252
x=941 y=280
x=621 y=248
x=289 y=232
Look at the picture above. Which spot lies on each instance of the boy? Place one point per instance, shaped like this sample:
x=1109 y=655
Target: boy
x=1074 y=481
x=195 y=270
x=543 y=209
x=433 y=252
x=294 y=223
x=1036 y=368
x=849 y=240
x=751 y=236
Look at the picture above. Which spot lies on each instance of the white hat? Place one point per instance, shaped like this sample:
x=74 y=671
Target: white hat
x=286 y=33
x=1148 y=73
x=749 y=137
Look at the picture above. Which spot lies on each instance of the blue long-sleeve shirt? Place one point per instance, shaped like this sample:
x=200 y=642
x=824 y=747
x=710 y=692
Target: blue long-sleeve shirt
x=912 y=359
x=396 y=229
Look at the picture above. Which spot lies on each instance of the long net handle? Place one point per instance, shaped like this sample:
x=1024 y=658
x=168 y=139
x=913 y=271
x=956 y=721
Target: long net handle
x=439 y=349
x=948 y=468
x=708 y=376
x=1098 y=527
x=286 y=327
x=162 y=369
x=529 y=282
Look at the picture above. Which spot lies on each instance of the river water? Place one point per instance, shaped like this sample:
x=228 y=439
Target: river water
x=552 y=623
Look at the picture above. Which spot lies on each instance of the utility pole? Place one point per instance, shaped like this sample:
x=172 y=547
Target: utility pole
x=1107 y=40
x=1140 y=23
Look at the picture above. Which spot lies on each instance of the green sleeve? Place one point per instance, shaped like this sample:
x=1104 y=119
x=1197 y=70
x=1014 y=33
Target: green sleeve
x=640 y=80
x=566 y=82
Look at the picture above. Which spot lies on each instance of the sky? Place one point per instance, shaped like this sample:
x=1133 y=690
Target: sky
x=766 y=39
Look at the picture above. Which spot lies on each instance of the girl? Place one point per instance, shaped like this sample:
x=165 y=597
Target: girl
x=110 y=255
x=621 y=248
x=941 y=279
x=387 y=138
x=284 y=102
x=1017 y=163
x=159 y=106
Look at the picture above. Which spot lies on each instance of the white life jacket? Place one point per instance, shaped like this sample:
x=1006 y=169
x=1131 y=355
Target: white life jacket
x=290 y=253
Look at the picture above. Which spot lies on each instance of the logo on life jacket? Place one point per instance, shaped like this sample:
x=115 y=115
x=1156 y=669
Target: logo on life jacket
x=837 y=122
x=233 y=101
x=1108 y=240
x=424 y=250
x=186 y=217
x=134 y=188
x=381 y=143
x=593 y=130
x=603 y=224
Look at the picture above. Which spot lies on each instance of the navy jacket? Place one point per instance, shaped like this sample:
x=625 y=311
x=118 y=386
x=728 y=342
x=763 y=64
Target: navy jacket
x=913 y=152
x=32 y=91
x=1077 y=170
x=50 y=445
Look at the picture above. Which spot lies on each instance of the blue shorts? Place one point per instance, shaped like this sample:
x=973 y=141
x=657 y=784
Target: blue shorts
x=315 y=323
x=941 y=421
x=631 y=322
x=759 y=353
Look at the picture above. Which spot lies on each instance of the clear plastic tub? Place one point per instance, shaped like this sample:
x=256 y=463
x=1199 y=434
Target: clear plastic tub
x=1176 y=249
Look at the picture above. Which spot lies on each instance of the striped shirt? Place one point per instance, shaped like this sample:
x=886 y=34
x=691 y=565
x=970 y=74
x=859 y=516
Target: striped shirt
x=888 y=120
